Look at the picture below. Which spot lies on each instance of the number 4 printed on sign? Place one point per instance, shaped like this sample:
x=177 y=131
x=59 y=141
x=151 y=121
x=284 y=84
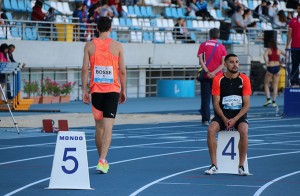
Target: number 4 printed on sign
x=231 y=153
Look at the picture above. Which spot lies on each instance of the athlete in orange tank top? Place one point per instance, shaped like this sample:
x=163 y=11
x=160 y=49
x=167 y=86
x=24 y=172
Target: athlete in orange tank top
x=104 y=57
x=104 y=67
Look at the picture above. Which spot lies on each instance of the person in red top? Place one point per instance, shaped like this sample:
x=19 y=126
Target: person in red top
x=272 y=60
x=293 y=39
x=37 y=14
x=231 y=100
x=211 y=58
x=105 y=58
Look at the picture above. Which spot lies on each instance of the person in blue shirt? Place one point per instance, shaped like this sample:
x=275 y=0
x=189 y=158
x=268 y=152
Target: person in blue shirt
x=202 y=10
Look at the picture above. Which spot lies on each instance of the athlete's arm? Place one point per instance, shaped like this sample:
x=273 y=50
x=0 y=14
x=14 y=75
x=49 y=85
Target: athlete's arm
x=243 y=111
x=201 y=62
x=289 y=38
x=266 y=57
x=122 y=75
x=85 y=74
x=218 y=110
x=219 y=68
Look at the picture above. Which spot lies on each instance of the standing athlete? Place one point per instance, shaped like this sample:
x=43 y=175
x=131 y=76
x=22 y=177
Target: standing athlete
x=105 y=58
x=231 y=100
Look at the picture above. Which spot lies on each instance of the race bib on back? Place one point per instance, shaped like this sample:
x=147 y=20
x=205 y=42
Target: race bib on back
x=232 y=102
x=103 y=74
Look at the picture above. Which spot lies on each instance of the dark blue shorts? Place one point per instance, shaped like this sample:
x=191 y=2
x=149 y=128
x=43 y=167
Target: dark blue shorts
x=274 y=69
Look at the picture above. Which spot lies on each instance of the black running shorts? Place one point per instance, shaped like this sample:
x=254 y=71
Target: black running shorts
x=221 y=123
x=105 y=105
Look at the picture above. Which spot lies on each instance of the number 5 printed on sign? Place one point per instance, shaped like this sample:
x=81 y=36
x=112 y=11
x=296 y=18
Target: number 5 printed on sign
x=70 y=166
x=228 y=152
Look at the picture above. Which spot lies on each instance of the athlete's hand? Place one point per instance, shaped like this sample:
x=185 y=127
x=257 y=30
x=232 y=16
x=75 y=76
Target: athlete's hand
x=230 y=123
x=122 y=97
x=85 y=97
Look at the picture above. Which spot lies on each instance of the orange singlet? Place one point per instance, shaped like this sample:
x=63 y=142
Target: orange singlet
x=104 y=68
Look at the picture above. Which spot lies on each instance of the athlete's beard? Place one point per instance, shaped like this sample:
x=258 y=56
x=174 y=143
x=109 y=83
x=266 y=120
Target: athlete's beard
x=233 y=71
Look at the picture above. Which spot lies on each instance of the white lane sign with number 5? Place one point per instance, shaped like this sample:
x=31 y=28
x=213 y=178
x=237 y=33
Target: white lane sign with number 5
x=70 y=166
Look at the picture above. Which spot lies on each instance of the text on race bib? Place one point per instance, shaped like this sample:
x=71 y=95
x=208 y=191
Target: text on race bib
x=103 y=74
x=232 y=102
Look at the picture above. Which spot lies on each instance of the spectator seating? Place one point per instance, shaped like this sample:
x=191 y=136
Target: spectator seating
x=7 y=6
x=159 y=37
x=22 y=5
x=28 y=6
x=169 y=38
x=137 y=11
x=250 y=5
x=14 y=5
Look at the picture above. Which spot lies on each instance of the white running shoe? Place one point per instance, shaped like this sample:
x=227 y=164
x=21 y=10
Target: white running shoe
x=212 y=170
x=242 y=171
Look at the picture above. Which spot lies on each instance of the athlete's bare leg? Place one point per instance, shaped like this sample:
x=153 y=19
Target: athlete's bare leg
x=104 y=136
x=243 y=143
x=213 y=128
x=268 y=78
x=275 y=85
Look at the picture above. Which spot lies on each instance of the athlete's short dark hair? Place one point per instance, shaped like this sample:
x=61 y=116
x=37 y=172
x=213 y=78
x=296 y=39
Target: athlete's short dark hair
x=229 y=55
x=214 y=33
x=104 y=24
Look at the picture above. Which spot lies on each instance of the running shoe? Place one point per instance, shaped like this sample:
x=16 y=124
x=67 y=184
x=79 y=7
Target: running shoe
x=102 y=167
x=268 y=102
x=205 y=123
x=274 y=104
x=242 y=171
x=212 y=170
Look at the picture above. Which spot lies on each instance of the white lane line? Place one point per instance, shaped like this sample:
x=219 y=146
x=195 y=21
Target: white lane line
x=148 y=144
x=117 y=162
x=116 y=147
x=181 y=183
x=259 y=191
x=186 y=171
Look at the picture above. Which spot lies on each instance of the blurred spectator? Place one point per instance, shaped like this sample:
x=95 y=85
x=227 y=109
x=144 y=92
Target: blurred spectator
x=232 y=4
x=50 y=18
x=180 y=32
x=191 y=7
x=261 y=10
x=75 y=19
x=280 y=20
x=292 y=4
x=248 y=19
x=177 y=2
x=2 y=18
x=83 y=19
x=93 y=19
x=88 y=3
x=202 y=10
x=116 y=6
x=37 y=13
x=237 y=20
x=106 y=11
x=273 y=10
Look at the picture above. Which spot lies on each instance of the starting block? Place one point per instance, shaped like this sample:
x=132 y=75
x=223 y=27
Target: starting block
x=70 y=166
x=228 y=152
x=63 y=125
x=48 y=126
